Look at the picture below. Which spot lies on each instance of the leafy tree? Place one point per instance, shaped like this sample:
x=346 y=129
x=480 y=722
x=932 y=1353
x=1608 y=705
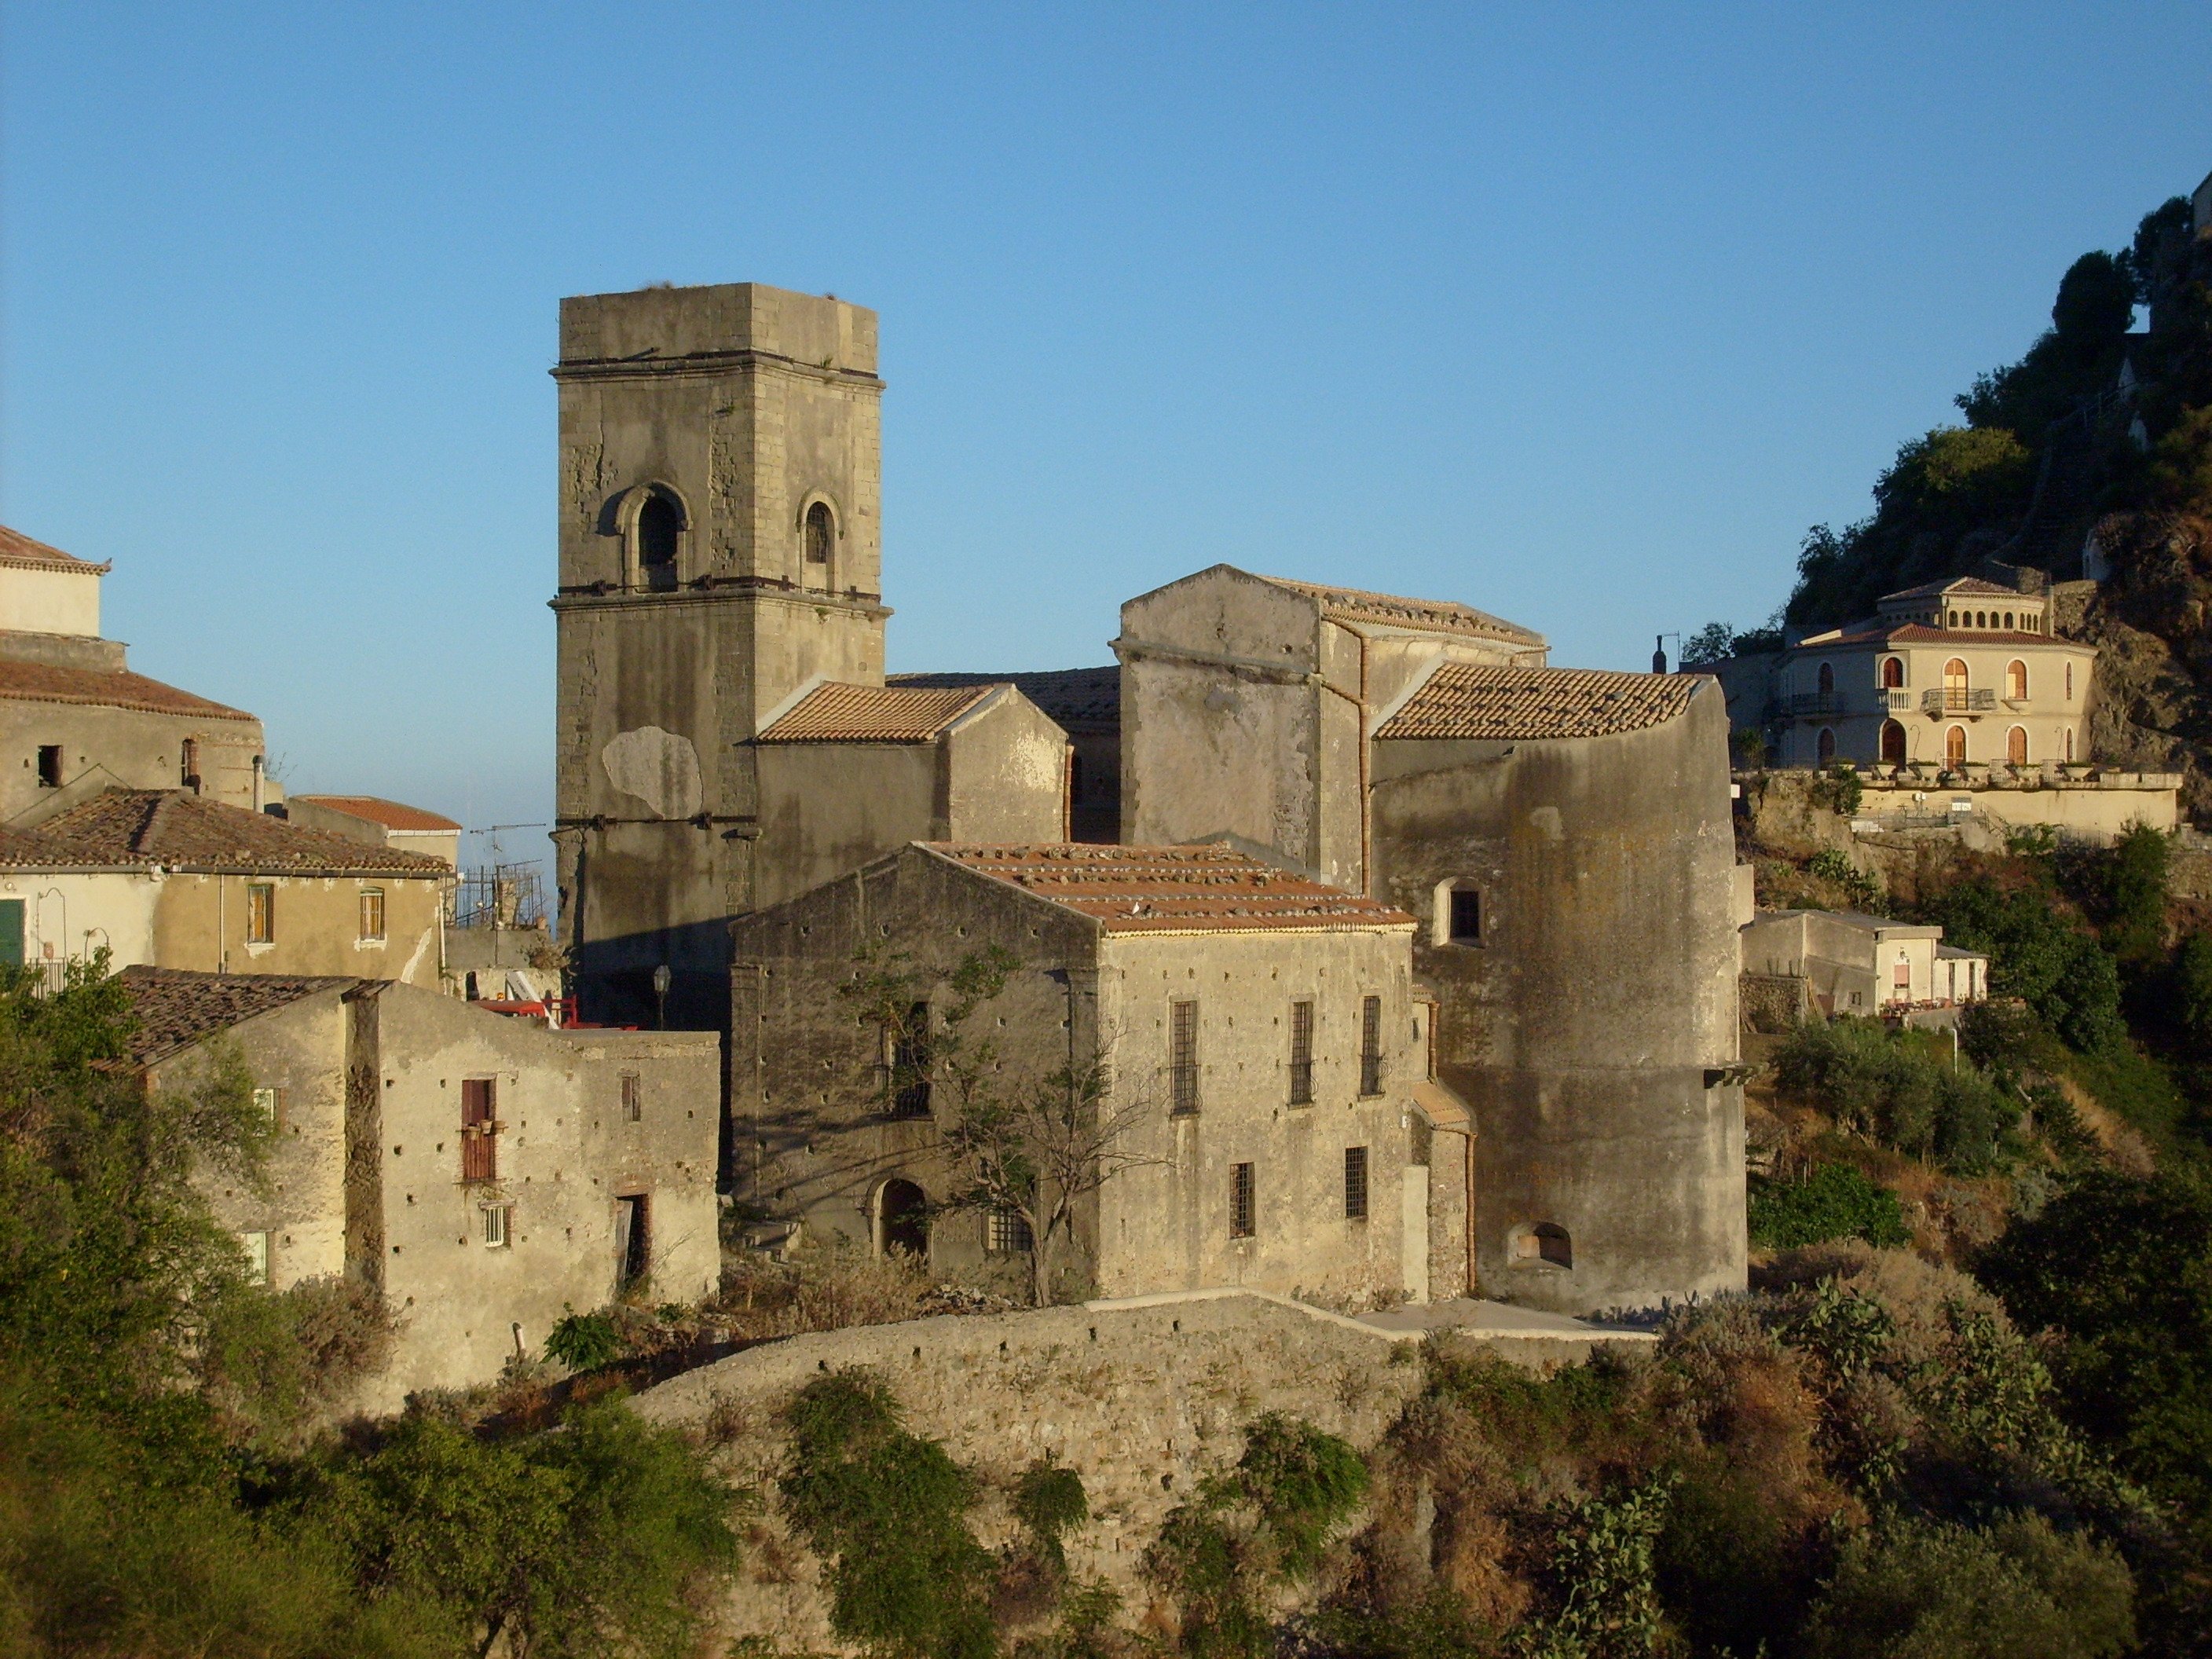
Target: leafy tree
x=2038 y=954
x=1882 y=1083
x=2134 y=896
x=1834 y=1200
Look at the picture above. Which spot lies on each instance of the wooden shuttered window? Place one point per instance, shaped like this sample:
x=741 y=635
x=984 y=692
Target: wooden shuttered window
x=479 y=1129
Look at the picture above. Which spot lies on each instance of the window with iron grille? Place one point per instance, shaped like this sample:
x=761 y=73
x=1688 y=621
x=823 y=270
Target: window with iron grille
x=1009 y=1233
x=633 y=1098
x=371 y=913
x=1244 y=1202
x=1183 y=1055
x=1370 y=1045
x=479 y=1129
x=1355 y=1183
x=910 y=1061
x=260 y=913
x=1301 y=1028
x=498 y=1226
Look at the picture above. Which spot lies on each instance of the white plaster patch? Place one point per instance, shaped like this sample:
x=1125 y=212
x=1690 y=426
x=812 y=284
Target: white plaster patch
x=1546 y=819
x=660 y=767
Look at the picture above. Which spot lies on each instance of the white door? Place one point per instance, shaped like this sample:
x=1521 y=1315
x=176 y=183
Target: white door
x=1415 y=1265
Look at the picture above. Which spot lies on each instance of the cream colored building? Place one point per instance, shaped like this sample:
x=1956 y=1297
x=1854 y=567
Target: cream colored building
x=1861 y=964
x=74 y=719
x=172 y=879
x=482 y=1173
x=1950 y=675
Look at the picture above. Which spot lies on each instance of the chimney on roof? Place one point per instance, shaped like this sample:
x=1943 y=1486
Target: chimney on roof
x=1659 y=655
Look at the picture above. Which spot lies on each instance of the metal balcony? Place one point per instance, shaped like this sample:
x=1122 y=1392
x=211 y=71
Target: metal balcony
x=1959 y=701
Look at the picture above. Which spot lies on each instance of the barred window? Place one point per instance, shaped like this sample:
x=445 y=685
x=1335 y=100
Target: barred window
x=1355 y=1183
x=910 y=1064
x=1244 y=1202
x=1183 y=1055
x=255 y=1246
x=1370 y=1045
x=371 y=913
x=498 y=1226
x=260 y=912
x=1009 y=1233
x=1302 y=1033
x=270 y=1103
x=633 y=1098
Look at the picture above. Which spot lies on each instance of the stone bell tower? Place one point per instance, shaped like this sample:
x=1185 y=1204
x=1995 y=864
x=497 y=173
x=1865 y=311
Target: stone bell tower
x=720 y=546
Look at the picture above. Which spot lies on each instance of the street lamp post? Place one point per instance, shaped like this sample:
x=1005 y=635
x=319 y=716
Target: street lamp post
x=661 y=977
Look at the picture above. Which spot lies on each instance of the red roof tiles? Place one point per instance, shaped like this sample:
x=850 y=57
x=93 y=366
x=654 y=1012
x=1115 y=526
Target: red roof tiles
x=873 y=713
x=17 y=548
x=1074 y=697
x=1478 y=701
x=1355 y=605
x=176 y=1009
x=377 y=810
x=39 y=682
x=1165 y=890
x=133 y=829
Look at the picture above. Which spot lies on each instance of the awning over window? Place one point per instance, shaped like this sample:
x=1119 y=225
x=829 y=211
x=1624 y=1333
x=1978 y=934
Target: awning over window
x=1443 y=1109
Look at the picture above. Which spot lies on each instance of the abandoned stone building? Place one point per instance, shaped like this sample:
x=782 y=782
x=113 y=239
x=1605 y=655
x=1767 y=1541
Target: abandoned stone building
x=78 y=721
x=1256 y=1035
x=483 y=1173
x=729 y=746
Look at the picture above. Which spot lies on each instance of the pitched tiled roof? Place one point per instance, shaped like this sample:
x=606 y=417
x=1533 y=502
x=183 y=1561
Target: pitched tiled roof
x=123 y=829
x=1956 y=585
x=1355 y=606
x=39 y=682
x=1470 y=700
x=1876 y=632
x=17 y=548
x=873 y=713
x=1072 y=696
x=377 y=810
x=1169 y=890
x=176 y=1009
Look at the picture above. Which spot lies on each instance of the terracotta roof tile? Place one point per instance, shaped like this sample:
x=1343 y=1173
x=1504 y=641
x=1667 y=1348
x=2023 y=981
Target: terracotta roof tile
x=1957 y=585
x=1072 y=696
x=1470 y=700
x=17 y=548
x=176 y=1009
x=1352 y=605
x=1874 y=632
x=377 y=810
x=873 y=713
x=39 y=682
x=1167 y=889
x=127 y=829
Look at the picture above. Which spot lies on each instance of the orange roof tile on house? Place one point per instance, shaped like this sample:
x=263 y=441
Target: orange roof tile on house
x=174 y=829
x=1355 y=606
x=1483 y=701
x=391 y=814
x=39 y=682
x=1874 y=632
x=874 y=713
x=177 y=1008
x=1072 y=697
x=1956 y=585
x=17 y=548
x=1169 y=890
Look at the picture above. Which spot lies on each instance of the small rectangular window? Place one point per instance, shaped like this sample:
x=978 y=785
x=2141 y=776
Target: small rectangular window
x=1370 y=1045
x=1302 y=1033
x=479 y=1129
x=270 y=1103
x=371 y=913
x=1466 y=916
x=1009 y=1233
x=1183 y=1056
x=50 y=766
x=255 y=1246
x=632 y=1245
x=498 y=1229
x=911 y=1062
x=1244 y=1202
x=260 y=913
x=633 y=1098
x=1355 y=1183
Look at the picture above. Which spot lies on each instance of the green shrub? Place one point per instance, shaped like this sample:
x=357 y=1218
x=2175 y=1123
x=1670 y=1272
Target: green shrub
x=1833 y=1201
x=1049 y=1501
x=1838 y=789
x=2019 y=1590
x=1899 y=1088
x=583 y=1342
x=2038 y=954
x=1860 y=889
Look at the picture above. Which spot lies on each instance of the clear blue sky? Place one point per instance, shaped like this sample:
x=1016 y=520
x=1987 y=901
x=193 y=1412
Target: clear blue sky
x=1582 y=315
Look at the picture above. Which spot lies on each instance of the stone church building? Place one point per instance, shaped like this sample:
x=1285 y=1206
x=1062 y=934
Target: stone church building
x=1448 y=999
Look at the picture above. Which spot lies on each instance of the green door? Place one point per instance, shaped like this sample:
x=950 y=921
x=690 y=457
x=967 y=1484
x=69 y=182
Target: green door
x=11 y=932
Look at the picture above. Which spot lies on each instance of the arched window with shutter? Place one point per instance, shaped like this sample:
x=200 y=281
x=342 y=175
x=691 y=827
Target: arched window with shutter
x=2016 y=680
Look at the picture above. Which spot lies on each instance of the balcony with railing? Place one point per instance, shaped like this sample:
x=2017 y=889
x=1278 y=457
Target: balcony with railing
x=1959 y=700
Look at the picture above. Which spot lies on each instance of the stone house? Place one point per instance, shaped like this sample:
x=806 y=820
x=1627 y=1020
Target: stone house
x=1262 y=1041
x=1086 y=704
x=483 y=1174
x=172 y=879
x=375 y=822
x=77 y=720
x=719 y=552
x=1861 y=965
x=1563 y=839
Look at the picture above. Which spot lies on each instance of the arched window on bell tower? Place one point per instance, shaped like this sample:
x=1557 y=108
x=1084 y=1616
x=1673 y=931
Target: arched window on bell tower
x=820 y=528
x=659 y=531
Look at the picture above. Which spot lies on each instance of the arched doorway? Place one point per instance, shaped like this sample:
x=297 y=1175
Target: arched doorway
x=901 y=1218
x=2016 y=746
x=1892 y=743
x=1954 y=746
x=1825 y=745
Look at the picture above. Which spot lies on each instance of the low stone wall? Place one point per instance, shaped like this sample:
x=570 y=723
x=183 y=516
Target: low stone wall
x=1774 y=1004
x=1143 y=1398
